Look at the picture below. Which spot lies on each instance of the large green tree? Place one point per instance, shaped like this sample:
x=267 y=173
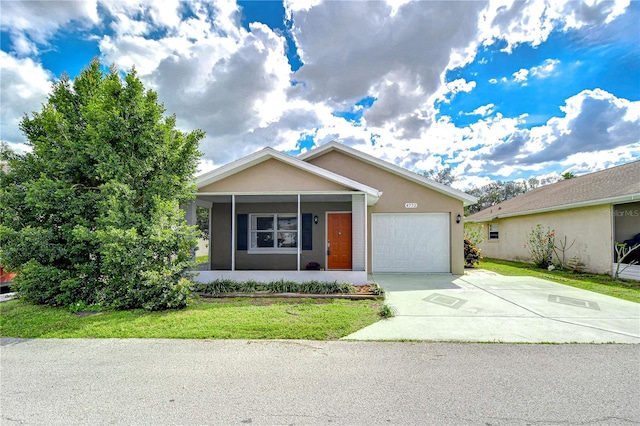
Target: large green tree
x=91 y=215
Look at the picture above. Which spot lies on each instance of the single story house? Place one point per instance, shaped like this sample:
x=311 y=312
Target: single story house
x=595 y=210
x=347 y=213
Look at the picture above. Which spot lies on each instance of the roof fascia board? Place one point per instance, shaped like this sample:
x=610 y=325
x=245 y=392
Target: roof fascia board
x=590 y=203
x=397 y=170
x=268 y=153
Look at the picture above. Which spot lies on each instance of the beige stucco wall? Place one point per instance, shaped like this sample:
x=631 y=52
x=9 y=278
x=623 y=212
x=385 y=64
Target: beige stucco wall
x=221 y=236
x=397 y=191
x=273 y=175
x=590 y=227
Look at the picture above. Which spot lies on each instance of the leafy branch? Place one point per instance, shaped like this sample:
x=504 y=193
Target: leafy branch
x=622 y=252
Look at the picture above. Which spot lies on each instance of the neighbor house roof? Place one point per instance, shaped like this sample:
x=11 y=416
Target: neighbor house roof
x=618 y=184
x=392 y=168
x=270 y=153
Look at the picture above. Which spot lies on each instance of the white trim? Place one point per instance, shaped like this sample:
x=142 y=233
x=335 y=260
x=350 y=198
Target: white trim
x=269 y=153
x=283 y=251
x=414 y=177
x=248 y=193
x=366 y=235
x=352 y=277
x=299 y=236
x=497 y=231
x=234 y=232
x=210 y=251
x=275 y=231
x=620 y=199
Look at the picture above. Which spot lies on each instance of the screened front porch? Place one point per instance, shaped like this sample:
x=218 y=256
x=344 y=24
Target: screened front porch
x=290 y=236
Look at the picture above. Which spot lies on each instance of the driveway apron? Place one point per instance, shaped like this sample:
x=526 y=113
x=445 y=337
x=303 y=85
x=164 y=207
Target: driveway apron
x=482 y=306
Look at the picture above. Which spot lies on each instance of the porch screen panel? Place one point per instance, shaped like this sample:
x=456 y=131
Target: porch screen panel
x=242 y=227
x=307 y=231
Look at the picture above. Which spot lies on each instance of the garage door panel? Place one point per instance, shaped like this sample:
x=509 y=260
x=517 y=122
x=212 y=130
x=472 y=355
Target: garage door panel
x=416 y=242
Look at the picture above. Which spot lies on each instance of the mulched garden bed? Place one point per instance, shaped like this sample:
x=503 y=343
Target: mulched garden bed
x=363 y=292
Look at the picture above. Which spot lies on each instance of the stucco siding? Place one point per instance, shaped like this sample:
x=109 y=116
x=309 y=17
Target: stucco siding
x=358 y=232
x=397 y=192
x=273 y=176
x=590 y=227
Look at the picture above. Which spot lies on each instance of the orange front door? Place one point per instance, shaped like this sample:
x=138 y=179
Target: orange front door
x=339 y=241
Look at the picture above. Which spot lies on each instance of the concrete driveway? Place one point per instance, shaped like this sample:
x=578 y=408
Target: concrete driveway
x=482 y=306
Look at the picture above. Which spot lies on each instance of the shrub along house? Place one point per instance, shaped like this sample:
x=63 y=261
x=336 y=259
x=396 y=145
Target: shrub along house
x=593 y=212
x=350 y=213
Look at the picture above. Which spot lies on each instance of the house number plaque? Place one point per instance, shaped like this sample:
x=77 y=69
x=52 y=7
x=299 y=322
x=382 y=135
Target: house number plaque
x=411 y=205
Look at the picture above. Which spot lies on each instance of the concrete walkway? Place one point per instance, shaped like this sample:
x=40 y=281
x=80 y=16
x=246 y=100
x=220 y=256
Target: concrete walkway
x=482 y=306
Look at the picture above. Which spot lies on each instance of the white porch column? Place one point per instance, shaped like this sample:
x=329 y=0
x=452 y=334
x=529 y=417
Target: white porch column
x=358 y=232
x=233 y=232
x=299 y=243
x=210 y=251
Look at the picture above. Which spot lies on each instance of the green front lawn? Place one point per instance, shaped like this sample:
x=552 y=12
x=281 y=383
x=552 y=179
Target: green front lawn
x=605 y=284
x=247 y=318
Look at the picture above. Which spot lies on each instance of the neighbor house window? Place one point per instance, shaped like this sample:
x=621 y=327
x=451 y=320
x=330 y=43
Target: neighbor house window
x=493 y=231
x=273 y=232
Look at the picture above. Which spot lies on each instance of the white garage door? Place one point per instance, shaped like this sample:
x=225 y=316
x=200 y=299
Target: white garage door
x=412 y=242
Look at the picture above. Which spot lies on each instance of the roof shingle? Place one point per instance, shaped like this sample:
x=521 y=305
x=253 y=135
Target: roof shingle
x=610 y=185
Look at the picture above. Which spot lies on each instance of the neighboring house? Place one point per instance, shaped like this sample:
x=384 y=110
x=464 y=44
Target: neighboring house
x=271 y=214
x=594 y=210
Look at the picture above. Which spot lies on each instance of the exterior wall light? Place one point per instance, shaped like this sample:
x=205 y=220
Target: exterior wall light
x=458 y=218
x=315 y=219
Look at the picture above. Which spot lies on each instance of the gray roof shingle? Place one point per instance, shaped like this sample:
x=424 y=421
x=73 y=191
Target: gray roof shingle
x=618 y=183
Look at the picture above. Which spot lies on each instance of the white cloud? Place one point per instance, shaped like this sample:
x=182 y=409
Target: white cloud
x=521 y=75
x=24 y=85
x=595 y=121
x=589 y=162
x=237 y=84
x=34 y=22
x=206 y=165
x=483 y=110
x=292 y=6
x=518 y=22
x=546 y=69
x=541 y=71
x=450 y=89
x=366 y=48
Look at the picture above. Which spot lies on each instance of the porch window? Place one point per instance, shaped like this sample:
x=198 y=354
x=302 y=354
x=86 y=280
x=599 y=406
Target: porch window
x=493 y=231
x=273 y=232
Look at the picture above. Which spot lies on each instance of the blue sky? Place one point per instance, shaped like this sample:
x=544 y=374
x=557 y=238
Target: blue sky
x=495 y=90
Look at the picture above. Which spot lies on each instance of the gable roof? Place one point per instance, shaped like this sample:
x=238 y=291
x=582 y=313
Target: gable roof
x=615 y=185
x=392 y=168
x=270 y=153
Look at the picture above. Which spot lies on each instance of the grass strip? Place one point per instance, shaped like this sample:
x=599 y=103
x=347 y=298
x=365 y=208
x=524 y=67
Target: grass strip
x=604 y=284
x=213 y=319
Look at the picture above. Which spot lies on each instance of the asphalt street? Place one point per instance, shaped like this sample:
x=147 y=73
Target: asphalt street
x=198 y=382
